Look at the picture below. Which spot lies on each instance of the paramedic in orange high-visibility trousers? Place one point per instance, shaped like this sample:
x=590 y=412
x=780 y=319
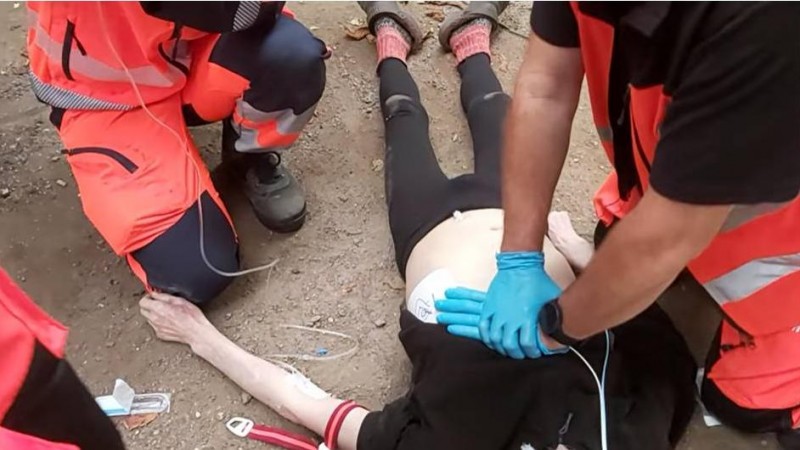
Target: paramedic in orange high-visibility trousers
x=697 y=105
x=125 y=79
x=43 y=403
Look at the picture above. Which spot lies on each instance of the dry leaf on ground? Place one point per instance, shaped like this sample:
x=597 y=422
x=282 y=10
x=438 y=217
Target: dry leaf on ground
x=356 y=33
x=139 y=420
x=459 y=5
x=435 y=14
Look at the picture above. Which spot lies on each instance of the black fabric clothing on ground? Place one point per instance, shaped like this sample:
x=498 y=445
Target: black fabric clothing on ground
x=419 y=195
x=54 y=405
x=730 y=133
x=465 y=396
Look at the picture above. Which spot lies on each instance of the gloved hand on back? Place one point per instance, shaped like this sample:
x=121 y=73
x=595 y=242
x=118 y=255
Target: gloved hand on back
x=506 y=317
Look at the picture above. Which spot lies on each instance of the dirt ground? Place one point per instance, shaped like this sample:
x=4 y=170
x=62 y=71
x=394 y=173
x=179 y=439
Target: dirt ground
x=337 y=273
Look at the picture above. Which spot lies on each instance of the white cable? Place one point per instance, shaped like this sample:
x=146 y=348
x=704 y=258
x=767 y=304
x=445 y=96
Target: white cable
x=305 y=357
x=183 y=141
x=601 y=390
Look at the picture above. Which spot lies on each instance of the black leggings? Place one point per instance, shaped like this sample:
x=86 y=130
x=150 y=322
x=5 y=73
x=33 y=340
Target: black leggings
x=418 y=193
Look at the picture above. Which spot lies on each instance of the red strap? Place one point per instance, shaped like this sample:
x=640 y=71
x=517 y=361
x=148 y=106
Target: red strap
x=281 y=438
x=335 y=423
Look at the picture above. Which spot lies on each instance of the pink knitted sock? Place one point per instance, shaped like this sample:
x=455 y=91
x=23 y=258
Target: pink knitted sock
x=471 y=39
x=392 y=40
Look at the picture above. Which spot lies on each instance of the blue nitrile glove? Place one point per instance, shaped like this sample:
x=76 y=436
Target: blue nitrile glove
x=509 y=311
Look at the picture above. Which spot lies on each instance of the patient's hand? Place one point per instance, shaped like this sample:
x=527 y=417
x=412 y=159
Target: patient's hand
x=577 y=250
x=174 y=319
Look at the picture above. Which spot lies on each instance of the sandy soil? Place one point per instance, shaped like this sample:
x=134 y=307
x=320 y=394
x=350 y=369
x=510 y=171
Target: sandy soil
x=337 y=273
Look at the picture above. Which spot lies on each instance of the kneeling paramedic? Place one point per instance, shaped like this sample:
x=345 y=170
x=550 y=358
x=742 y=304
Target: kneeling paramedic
x=125 y=79
x=697 y=106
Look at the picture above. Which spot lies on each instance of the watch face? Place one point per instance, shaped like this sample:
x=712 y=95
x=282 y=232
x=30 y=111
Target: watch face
x=549 y=318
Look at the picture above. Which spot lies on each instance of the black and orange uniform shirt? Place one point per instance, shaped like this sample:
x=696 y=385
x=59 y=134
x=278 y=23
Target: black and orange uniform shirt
x=711 y=58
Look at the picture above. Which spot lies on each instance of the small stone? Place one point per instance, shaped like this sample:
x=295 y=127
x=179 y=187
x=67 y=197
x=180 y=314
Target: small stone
x=228 y=316
x=330 y=319
x=155 y=432
x=295 y=271
x=245 y=397
x=455 y=137
x=380 y=323
x=55 y=158
x=377 y=165
x=314 y=320
x=197 y=415
x=61 y=182
x=5 y=192
x=109 y=344
x=220 y=416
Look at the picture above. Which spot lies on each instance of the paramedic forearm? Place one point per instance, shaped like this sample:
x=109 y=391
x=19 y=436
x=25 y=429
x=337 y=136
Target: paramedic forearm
x=637 y=261
x=536 y=140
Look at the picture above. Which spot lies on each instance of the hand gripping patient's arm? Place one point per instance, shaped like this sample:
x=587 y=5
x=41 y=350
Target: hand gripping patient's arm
x=177 y=320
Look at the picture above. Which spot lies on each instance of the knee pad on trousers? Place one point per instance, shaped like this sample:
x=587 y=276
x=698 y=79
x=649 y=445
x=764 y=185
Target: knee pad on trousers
x=285 y=67
x=173 y=263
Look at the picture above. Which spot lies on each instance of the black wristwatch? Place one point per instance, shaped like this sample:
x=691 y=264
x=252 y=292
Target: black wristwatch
x=550 y=322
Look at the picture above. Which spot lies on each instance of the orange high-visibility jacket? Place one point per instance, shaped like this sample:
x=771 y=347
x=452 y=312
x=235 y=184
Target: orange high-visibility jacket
x=751 y=268
x=79 y=51
x=22 y=324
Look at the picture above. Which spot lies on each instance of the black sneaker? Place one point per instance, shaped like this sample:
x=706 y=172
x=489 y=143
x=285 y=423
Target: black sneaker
x=276 y=197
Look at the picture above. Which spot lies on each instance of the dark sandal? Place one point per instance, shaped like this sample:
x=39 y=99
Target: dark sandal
x=376 y=10
x=475 y=10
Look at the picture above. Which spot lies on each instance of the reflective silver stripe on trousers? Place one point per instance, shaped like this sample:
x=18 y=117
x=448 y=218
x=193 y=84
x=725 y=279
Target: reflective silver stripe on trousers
x=97 y=70
x=62 y=98
x=741 y=214
x=287 y=122
x=246 y=15
x=749 y=278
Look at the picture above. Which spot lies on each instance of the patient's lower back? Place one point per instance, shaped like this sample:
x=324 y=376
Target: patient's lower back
x=465 y=246
x=465 y=396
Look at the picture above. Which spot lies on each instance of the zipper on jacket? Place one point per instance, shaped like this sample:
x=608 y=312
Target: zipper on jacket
x=638 y=144
x=66 y=49
x=121 y=159
x=173 y=60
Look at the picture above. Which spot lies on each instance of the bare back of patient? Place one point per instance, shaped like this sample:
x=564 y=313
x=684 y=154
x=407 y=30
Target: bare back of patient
x=464 y=246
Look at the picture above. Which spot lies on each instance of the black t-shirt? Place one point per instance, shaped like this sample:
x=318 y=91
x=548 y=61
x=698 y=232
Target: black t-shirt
x=465 y=396
x=731 y=134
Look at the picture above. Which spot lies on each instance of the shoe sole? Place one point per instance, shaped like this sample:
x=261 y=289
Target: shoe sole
x=287 y=226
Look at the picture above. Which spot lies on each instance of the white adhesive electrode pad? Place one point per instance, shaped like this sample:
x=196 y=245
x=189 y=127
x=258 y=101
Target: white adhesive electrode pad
x=430 y=289
x=306 y=386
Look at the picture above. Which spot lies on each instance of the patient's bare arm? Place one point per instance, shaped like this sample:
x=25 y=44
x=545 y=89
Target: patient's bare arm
x=175 y=319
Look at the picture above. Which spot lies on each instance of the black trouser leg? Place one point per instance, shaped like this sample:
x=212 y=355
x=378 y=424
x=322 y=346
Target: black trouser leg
x=485 y=105
x=411 y=166
x=414 y=180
